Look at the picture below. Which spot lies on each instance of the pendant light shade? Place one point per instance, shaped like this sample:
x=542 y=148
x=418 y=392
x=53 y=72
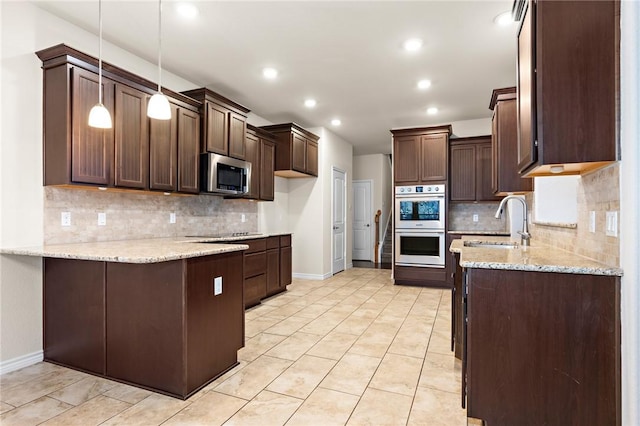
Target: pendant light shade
x=158 y=106
x=99 y=115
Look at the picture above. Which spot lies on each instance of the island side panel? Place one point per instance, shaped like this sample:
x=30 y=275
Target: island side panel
x=145 y=325
x=74 y=313
x=543 y=348
x=214 y=321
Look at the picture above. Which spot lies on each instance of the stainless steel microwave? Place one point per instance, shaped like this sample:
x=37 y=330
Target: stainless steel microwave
x=224 y=175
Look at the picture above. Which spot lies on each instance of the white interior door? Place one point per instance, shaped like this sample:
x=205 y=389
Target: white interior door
x=362 y=221
x=339 y=220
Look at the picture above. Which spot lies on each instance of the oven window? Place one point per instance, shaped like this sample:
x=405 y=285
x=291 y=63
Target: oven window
x=428 y=210
x=420 y=210
x=419 y=246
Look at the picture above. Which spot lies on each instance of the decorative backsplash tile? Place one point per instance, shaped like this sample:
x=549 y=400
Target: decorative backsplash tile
x=133 y=215
x=461 y=217
x=599 y=192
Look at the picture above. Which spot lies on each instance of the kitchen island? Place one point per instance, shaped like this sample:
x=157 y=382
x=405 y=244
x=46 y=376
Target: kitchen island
x=539 y=329
x=165 y=314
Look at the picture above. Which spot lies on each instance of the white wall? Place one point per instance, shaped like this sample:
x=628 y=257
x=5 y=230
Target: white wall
x=630 y=209
x=273 y=216
x=25 y=29
x=377 y=168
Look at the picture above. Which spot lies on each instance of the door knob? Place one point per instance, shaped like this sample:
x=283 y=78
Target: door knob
x=367 y=225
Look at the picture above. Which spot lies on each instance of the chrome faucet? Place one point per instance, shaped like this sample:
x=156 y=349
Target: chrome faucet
x=525 y=235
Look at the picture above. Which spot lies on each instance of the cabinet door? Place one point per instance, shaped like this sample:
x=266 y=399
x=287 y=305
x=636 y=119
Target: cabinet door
x=527 y=145
x=91 y=148
x=285 y=266
x=267 y=168
x=406 y=151
x=237 y=132
x=299 y=153
x=273 y=271
x=252 y=149
x=505 y=139
x=312 y=158
x=131 y=138
x=433 y=155
x=188 y=150
x=163 y=152
x=484 y=155
x=217 y=129
x=463 y=173
x=495 y=186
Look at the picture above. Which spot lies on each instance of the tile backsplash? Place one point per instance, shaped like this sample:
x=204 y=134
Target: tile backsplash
x=599 y=192
x=133 y=215
x=461 y=217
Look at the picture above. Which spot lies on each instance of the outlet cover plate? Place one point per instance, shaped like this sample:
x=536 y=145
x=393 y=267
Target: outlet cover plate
x=65 y=219
x=612 y=224
x=217 y=286
x=102 y=219
x=592 y=221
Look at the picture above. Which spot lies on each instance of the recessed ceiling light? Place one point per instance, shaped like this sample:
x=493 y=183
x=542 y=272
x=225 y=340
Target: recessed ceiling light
x=504 y=19
x=270 y=73
x=187 y=10
x=336 y=122
x=412 y=45
x=310 y=103
x=432 y=111
x=424 y=84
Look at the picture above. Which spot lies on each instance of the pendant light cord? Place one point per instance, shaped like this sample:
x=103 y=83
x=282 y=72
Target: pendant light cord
x=159 y=45
x=100 y=53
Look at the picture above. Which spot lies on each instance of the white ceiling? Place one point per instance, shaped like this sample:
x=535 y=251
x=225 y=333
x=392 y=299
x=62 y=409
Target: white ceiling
x=346 y=55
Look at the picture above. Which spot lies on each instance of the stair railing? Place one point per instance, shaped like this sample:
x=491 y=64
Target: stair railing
x=377 y=243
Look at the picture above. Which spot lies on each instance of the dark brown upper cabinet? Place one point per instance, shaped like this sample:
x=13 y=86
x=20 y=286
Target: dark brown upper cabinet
x=224 y=123
x=420 y=155
x=174 y=146
x=505 y=178
x=260 y=147
x=128 y=155
x=568 y=61
x=131 y=127
x=296 y=150
x=471 y=169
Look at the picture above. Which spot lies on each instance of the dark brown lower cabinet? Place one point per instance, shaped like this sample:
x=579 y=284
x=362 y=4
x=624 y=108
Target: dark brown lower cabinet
x=423 y=277
x=285 y=261
x=267 y=268
x=160 y=326
x=273 y=265
x=542 y=348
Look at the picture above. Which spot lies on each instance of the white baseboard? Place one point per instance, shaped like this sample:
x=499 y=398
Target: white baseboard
x=21 y=362
x=316 y=277
x=350 y=265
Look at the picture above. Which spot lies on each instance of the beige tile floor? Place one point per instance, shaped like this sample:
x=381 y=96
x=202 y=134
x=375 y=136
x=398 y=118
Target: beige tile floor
x=350 y=350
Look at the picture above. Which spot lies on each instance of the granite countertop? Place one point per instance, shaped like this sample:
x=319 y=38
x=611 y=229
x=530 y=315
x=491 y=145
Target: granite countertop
x=503 y=233
x=150 y=250
x=537 y=257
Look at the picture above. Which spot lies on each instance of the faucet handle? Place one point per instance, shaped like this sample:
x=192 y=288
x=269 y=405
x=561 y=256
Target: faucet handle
x=525 y=238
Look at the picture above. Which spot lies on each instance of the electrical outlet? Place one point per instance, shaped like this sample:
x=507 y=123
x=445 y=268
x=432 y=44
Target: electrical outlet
x=217 y=286
x=475 y=217
x=172 y=218
x=592 y=221
x=102 y=219
x=243 y=218
x=612 y=224
x=65 y=219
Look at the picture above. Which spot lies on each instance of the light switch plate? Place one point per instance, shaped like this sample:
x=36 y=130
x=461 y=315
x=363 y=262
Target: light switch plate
x=217 y=286
x=172 y=218
x=475 y=217
x=65 y=219
x=102 y=219
x=243 y=218
x=592 y=221
x=612 y=224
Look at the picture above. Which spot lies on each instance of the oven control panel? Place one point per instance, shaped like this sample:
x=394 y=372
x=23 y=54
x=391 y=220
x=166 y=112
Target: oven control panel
x=420 y=189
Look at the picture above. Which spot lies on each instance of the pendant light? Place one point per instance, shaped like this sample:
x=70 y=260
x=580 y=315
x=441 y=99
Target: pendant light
x=99 y=116
x=159 y=107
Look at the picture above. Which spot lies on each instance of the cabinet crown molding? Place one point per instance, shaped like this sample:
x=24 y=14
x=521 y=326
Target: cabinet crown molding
x=205 y=94
x=503 y=94
x=423 y=130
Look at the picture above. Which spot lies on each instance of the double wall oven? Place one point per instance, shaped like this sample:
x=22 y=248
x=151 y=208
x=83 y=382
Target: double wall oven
x=420 y=226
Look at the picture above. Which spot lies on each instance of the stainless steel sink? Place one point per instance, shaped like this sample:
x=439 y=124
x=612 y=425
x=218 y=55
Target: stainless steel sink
x=491 y=244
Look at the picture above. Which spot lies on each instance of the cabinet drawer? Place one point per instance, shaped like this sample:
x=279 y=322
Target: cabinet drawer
x=255 y=288
x=273 y=243
x=254 y=245
x=255 y=264
x=285 y=240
